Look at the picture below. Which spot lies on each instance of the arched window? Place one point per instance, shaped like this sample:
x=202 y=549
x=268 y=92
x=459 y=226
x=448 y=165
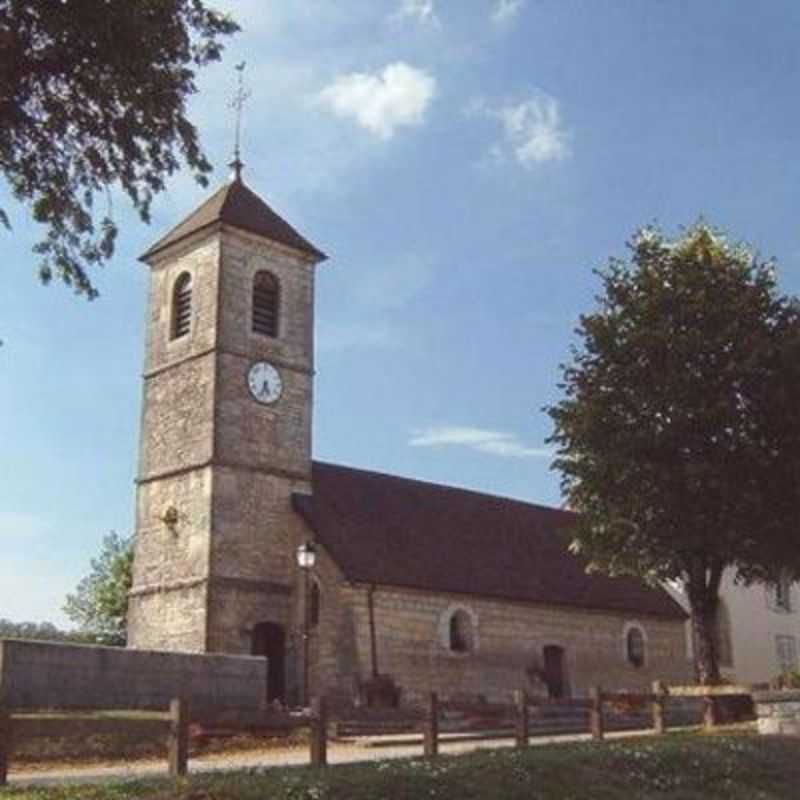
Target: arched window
x=265 y=304
x=314 y=602
x=182 y=305
x=461 y=640
x=634 y=647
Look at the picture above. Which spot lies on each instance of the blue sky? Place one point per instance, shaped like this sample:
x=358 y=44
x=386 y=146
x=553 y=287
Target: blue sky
x=465 y=165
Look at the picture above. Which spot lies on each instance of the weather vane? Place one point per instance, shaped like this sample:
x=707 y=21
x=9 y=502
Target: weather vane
x=237 y=104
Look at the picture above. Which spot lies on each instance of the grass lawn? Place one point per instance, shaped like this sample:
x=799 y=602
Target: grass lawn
x=676 y=766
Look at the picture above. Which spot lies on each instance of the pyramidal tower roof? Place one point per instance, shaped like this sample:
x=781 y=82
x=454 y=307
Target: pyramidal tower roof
x=236 y=205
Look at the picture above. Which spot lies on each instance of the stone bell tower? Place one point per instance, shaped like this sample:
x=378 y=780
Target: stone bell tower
x=226 y=429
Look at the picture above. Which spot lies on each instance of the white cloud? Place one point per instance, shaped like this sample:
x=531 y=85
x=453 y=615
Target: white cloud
x=496 y=443
x=504 y=11
x=532 y=131
x=398 y=96
x=423 y=11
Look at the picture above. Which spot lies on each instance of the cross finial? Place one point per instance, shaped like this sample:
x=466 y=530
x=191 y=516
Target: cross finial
x=237 y=104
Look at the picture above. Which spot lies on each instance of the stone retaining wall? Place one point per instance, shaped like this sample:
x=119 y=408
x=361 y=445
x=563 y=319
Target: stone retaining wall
x=53 y=675
x=778 y=712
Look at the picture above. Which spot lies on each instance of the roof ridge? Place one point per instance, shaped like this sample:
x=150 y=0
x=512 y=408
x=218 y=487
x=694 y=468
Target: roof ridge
x=447 y=487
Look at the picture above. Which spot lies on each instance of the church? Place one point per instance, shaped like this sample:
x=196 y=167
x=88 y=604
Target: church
x=370 y=588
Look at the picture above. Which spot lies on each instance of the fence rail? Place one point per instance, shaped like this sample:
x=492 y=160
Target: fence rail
x=599 y=704
x=173 y=723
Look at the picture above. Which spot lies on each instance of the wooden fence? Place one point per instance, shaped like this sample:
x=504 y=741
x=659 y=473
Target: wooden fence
x=174 y=722
x=599 y=704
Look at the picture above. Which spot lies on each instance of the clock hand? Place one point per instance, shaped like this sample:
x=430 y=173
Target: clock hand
x=265 y=387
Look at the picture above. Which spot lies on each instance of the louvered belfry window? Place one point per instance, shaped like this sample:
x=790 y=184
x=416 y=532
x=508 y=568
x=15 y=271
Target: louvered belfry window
x=182 y=306
x=265 y=304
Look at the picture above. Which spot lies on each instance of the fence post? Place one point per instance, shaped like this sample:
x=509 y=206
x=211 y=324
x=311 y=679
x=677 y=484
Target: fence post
x=596 y=712
x=709 y=712
x=521 y=703
x=178 y=743
x=319 y=732
x=431 y=732
x=659 y=722
x=5 y=742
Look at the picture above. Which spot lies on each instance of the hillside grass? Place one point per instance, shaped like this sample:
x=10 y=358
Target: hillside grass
x=675 y=766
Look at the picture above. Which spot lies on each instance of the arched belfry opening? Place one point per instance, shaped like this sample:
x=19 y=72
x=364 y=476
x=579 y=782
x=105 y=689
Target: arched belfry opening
x=266 y=297
x=269 y=639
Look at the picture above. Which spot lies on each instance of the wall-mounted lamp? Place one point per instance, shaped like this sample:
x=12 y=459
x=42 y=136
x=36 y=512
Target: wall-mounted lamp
x=170 y=518
x=306 y=558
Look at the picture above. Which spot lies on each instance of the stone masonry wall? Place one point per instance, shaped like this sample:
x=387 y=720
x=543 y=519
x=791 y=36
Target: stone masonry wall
x=243 y=255
x=172 y=618
x=333 y=663
x=778 y=712
x=254 y=526
x=178 y=395
x=262 y=453
x=177 y=424
x=198 y=255
x=412 y=630
x=167 y=608
x=168 y=597
x=54 y=675
x=273 y=437
x=226 y=463
x=171 y=553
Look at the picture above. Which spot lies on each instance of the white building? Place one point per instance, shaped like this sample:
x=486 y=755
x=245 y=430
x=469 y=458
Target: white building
x=759 y=630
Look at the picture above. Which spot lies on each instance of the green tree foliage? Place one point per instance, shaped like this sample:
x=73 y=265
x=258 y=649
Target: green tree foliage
x=41 y=631
x=99 y=606
x=679 y=430
x=93 y=98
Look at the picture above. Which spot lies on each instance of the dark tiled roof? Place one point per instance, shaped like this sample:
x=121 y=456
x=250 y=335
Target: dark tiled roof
x=235 y=204
x=398 y=532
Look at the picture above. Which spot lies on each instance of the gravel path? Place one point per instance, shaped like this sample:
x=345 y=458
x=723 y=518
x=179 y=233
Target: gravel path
x=338 y=753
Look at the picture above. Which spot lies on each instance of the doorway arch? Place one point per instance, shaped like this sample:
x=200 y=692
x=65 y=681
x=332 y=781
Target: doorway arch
x=269 y=639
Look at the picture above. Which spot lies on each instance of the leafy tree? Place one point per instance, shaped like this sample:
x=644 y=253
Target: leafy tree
x=99 y=606
x=679 y=430
x=92 y=98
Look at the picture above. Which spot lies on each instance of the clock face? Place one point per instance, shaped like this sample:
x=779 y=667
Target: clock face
x=264 y=382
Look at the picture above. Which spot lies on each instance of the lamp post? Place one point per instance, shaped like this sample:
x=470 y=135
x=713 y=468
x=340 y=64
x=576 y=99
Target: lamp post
x=306 y=558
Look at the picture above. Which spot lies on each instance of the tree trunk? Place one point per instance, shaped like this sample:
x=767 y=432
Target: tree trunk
x=703 y=590
x=705 y=646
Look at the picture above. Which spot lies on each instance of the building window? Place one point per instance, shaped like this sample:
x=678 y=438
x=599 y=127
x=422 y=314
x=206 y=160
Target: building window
x=460 y=632
x=779 y=594
x=634 y=647
x=722 y=635
x=786 y=650
x=182 y=305
x=314 y=601
x=265 y=304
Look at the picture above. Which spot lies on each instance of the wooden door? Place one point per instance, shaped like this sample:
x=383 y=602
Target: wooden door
x=554 y=671
x=269 y=640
